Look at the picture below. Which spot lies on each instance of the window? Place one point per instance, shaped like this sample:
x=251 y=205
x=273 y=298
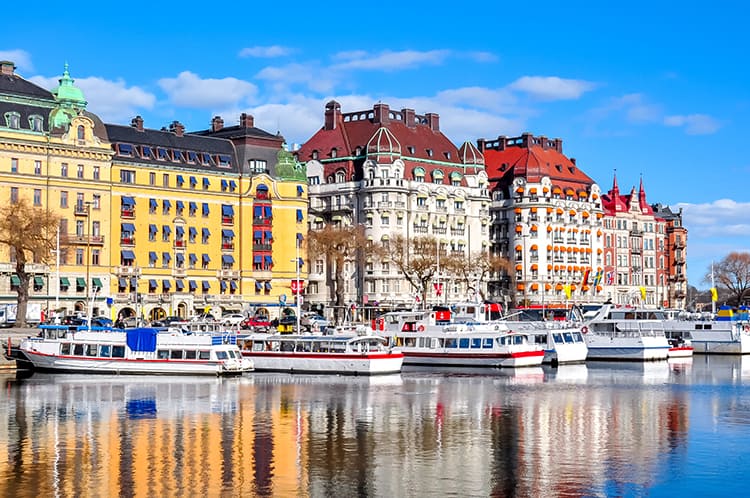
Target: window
x=81 y=132
x=96 y=201
x=319 y=266
x=37 y=167
x=36 y=123
x=14 y=165
x=165 y=233
x=79 y=257
x=95 y=257
x=79 y=171
x=258 y=165
x=152 y=178
x=165 y=180
x=14 y=195
x=13 y=120
x=64 y=199
x=127 y=176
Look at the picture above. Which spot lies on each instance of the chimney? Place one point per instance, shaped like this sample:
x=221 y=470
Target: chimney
x=481 y=144
x=433 y=121
x=332 y=115
x=543 y=141
x=409 y=117
x=137 y=123
x=247 y=120
x=217 y=123
x=558 y=145
x=177 y=128
x=7 y=68
x=527 y=139
x=381 y=114
x=573 y=160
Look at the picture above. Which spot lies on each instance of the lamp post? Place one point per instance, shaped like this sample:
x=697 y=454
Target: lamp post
x=298 y=295
x=88 y=250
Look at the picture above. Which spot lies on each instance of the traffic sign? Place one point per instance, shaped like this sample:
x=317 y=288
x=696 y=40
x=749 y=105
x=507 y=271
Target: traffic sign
x=282 y=299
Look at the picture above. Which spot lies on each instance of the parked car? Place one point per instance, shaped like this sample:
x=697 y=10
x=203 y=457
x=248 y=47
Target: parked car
x=259 y=323
x=101 y=321
x=314 y=322
x=232 y=319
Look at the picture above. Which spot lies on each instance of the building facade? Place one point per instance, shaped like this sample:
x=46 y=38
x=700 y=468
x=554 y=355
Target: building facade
x=392 y=172
x=675 y=259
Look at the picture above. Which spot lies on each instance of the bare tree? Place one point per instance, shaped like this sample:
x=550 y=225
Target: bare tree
x=731 y=276
x=415 y=258
x=30 y=234
x=337 y=245
x=474 y=269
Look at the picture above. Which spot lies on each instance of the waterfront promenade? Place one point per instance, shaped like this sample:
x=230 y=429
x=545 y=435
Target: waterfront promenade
x=15 y=335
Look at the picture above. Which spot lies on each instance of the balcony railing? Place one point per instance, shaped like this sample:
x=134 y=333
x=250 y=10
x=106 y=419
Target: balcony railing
x=127 y=241
x=261 y=247
x=127 y=213
x=126 y=270
x=228 y=274
x=227 y=246
x=227 y=220
x=74 y=239
x=179 y=243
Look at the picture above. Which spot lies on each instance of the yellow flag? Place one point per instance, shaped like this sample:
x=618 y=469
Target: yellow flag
x=714 y=294
x=567 y=291
x=643 y=293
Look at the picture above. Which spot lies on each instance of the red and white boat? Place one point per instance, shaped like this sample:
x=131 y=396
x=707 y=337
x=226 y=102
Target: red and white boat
x=428 y=338
x=334 y=354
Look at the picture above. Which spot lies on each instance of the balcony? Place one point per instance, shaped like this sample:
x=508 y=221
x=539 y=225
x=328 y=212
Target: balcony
x=400 y=204
x=227 y=246
x=385 y=204
x=127 y=241
x=179 y=272
x=457 y=232
x=80 y=210
x=227 y=220
x=635 y=250
x=262 y=221
x=679 y=244
x=261 y=247
x=441 y=209
x=228 y=274
x=125 y=271
x=179 y=244
x=439 y=230
x=92 y=240
x=127 y=213
x=420 y=229
x=635 y=232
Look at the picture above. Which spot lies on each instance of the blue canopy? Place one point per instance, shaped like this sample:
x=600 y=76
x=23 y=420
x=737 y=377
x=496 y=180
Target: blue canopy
x=128 y=201
x=141 y=339
x=127 y=254
x=227 y=233
x=227 y=210
x=227 y=258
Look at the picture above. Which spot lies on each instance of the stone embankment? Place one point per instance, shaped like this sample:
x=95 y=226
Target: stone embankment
x=15 y=336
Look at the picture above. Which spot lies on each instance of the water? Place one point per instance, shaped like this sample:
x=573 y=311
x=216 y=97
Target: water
x=601 y=429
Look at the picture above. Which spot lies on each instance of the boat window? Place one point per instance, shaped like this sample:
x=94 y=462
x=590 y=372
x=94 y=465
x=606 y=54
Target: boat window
x=519 y=339
x=463 y=343
x=578 y=337
x=78 y=349
x=190 y=354
x=410 y=342
x=162 y=354
x=222 y=355
x=92 y=350
x=105 y=350
x=557 y=337
x=501 y=341
x=568 y=337
x=287 y=346
x=118 y=351
x=487 y=343
x=65 y=348
x=450 y=343
x=303 y=347
x=175 y=354
x=476 y=342
x=204 y=355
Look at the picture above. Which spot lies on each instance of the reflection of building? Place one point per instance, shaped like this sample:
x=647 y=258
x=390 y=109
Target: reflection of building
x=394 y=172
x=546 y=216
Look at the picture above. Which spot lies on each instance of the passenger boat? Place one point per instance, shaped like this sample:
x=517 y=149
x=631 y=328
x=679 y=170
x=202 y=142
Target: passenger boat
x=561 y=340
x=334 y=354
x=143 y=350
x=728 y=333
x=426 y=339
x=625 y=333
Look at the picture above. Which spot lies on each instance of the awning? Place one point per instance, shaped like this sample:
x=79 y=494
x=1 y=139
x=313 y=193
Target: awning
x=192 y=205
x=166 y=229
x=192 y=231
x=128 y=227
x=227 y=210
x=64 y=282
x=227 y=259
x=152 y=229
x=206 y=259
x=300 y=216
x=301 y=262
x=96 y=282
x=80 y=282
x=152 y=256
x=165 y=256
x=166 y=284
x=152 y=284
x=167 y=204
x=224 y=184
x=128 y=201
x=227 y=233
x=38 y=281
x=127 y=254
x=193 y=258
x=180 y=285
x=122 y=282
x=257 y=259
x=180 y=205
x=180 y=257
x=206 y=182
x=300 y=236
x=192 y=285
x=232 y=185
x=193 y=181
x=300 y=190
x=268 y=285
x=133 y=282
x=206 y=232
x=205 y=285
x=223 y=285
x=153 y=203
x=179 y=230
x=258 y=285
x=206 y=210
x=269 y=260
x=233 y=285
x=180 y=180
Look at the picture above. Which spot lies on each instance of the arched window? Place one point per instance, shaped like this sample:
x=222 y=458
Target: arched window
x=81 y=132
x=340 y=177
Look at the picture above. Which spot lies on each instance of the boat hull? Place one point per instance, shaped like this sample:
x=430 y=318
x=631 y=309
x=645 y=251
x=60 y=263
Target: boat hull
x=680 y=352
x=566 y=353
x=489 y=360
x=634 y=349
x=328 y=363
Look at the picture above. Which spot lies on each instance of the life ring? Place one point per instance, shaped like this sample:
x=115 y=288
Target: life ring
x=746 y=328
x=420 y=328
x=584 y=330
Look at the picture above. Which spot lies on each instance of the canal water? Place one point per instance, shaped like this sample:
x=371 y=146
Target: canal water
x=602 y=429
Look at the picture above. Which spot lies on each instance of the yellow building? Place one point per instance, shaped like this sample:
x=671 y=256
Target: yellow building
x=155 y=222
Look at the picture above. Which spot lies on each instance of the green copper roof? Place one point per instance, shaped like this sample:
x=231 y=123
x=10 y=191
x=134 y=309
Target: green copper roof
x=287 y=168
x=69 y=93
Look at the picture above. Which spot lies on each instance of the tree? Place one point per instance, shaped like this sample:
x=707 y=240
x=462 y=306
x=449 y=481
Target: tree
x=731 y=276
x=473 y=269
x=415 y=258
x=337 y=245
x=30 y=234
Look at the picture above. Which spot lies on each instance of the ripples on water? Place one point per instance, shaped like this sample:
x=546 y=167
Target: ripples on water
x=601 y=429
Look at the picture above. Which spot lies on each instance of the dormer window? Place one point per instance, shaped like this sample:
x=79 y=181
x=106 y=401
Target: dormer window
x=13 y=120
x=333 y=152
x=315 y=154
x=36 y=123
x=447 y=155
x=125 y=150
x=429 y=152
x=358 y=151
x=81 y=132
x=558 y=167
x=410 y=149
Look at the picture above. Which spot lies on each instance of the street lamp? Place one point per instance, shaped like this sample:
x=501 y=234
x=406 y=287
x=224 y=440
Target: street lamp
x=298 y=295
x=88 y=251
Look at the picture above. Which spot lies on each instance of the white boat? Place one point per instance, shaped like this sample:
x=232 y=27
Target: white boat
x=336 y=354
x=625 y=333
x=130 y=351
x=424 y=340
x=725 y=334
x=562 y=341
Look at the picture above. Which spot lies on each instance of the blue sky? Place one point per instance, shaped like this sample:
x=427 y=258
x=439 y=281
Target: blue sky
x=637 y=88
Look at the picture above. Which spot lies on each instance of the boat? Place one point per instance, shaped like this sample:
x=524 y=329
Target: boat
x=561 y=340
x=727 y=333
x=141 y=350
x=331 y=354
x=428 y=338
x=614 y=332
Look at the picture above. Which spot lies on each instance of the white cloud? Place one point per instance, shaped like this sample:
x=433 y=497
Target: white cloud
x=112 y=101
x=552 y=87
x=482 y=56
x=265 y=52
x=390 y=60
x=189 y=90
x=694 y=124
x=701 y=219
x=21 y=58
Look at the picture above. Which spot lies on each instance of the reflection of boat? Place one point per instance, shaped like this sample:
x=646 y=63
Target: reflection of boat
x=625 y=333
x=320 y=354
x=573 y=374
x=131 y=351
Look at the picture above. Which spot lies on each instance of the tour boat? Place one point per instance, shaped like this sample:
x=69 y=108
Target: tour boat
x=144 y=350
x=336 y=354
x=728 y=333
x=561 y=340
x=426 y=341
x=625 y=333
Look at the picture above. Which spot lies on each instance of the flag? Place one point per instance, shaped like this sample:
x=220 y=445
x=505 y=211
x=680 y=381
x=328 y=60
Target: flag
x=610 y=278
x=438 y=289
x=598 y=277
x=567 y=290
x=643 y=293
x=585 y=280
x=714 y=294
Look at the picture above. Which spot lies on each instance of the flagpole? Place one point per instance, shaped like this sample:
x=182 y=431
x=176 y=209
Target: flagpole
x=713 y=290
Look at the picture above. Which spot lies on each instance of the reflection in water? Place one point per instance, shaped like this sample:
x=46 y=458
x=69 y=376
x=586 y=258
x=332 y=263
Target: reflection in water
x=598 y=429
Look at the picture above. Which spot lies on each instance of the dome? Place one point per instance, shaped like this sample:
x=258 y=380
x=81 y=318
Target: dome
x=383 y=142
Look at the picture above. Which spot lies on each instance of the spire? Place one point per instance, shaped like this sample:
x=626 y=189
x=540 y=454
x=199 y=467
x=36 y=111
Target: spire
x=70 y=101
x=615 y=187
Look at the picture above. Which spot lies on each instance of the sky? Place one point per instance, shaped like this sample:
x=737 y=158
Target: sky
x=636 y=89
